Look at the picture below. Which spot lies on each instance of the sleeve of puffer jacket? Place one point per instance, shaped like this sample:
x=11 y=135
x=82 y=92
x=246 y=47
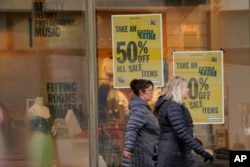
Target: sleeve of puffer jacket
x=178 y=120
x=136 y=121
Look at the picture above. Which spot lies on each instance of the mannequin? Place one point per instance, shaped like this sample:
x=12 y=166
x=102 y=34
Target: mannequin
x=38 y=109
x=4 y=129
x=113 y=102
x=41 y=148
x=2 y=119
x=107 y=67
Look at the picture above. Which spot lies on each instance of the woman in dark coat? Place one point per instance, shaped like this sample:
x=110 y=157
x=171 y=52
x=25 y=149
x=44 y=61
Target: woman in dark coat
x=176 y=139
x=142 y=129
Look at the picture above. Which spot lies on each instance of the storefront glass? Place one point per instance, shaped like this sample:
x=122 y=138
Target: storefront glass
x=188 y=27
x=43 y=63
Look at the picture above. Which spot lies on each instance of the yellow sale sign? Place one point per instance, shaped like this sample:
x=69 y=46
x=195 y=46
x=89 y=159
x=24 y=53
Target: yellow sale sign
x=137 y=49
x=204 y=72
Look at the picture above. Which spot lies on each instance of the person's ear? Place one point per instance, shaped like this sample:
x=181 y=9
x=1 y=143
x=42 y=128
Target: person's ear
x=141 y=92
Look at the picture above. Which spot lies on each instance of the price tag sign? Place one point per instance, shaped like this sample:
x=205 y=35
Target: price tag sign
x=137 y=49
x=204 y=72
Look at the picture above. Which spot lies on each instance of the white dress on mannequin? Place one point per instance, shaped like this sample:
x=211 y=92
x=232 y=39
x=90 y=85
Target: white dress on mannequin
x=41 y=148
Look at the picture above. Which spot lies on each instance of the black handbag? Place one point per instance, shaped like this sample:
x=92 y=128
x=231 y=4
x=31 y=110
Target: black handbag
x=154 y=158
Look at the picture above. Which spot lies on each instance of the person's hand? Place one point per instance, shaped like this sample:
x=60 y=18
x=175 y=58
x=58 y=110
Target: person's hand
x=127 y=154
x=207 y=156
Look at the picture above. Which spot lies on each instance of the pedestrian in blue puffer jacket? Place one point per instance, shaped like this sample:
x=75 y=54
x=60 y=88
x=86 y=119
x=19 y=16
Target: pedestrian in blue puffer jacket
x=176 y=139
x=142 y=128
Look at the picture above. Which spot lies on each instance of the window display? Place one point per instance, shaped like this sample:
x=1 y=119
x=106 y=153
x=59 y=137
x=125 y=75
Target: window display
x=41 y=149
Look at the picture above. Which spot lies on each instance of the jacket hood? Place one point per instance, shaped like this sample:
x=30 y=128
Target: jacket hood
x=160 y=101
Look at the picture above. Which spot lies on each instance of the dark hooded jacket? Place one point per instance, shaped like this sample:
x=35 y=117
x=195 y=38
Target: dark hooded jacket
x=141 y=134
x=176 y=138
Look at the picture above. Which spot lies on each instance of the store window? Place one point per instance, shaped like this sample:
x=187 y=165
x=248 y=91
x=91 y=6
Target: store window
x=186 y=26
x=44 y=117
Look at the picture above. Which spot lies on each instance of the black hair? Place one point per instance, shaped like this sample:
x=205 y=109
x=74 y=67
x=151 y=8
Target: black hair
x=140 y=84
